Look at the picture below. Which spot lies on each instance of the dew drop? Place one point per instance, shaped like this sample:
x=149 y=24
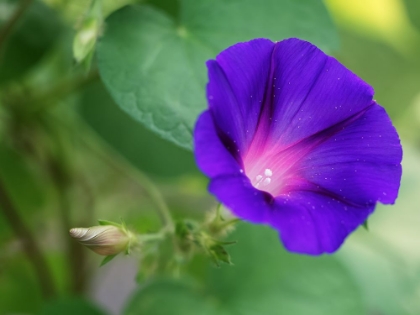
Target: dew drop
x=266 y=181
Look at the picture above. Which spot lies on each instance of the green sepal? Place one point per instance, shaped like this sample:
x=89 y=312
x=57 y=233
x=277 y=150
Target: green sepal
x=123 y=225
x=219 y=254
x=107 y=259
x=365 y=225
x=106 y=222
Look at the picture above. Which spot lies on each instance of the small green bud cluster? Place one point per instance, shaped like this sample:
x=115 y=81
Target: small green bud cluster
x=110 y=238
x=192 y=235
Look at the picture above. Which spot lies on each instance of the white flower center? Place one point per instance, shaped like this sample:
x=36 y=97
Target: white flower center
x=263 y=180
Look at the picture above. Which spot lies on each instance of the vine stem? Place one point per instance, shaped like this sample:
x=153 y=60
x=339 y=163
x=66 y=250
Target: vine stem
x=121 y=164
x=30 y=246
x=62 y=175
x=103 y=149
x=60 y=90
x=151 y=237
x=8 y=27
x=75 y=254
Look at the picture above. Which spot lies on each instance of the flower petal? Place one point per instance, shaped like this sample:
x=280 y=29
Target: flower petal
x=361 y=163
x=315 y=223
x=310 y=92
x=236 y=88
x=212 y=156
x=245 y=201
x=309 y=222
x=307 y=131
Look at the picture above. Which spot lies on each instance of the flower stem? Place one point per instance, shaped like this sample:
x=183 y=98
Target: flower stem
x=122 y=165
x=151 y=237
x=8 y=27
x=62 y=174
x=76 y=257
x=30 y=246
x=60 y=90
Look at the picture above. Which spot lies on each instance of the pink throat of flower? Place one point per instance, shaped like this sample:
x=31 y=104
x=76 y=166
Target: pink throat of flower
x=273 y=171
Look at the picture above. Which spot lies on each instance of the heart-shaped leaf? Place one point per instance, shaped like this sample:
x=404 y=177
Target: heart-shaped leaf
x=265 y=280
x=153 y=63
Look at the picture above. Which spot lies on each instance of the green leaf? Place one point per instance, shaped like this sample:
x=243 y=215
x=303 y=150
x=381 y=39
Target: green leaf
x=385 y=262
x=161 y=158
x=70 y=306
x=154 y=64
x=168 y=298
x=265 y=280
x=171 y=7
x=107 y=259
x=36 y=32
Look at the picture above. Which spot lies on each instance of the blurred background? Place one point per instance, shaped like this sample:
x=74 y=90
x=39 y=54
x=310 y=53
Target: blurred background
x=69 y=156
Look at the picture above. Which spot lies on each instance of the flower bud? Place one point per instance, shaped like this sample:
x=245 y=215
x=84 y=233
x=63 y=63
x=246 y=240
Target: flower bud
x=214 y=248
x=104 y=239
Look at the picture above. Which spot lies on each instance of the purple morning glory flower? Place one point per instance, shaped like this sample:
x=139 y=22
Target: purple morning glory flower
x=294 y=140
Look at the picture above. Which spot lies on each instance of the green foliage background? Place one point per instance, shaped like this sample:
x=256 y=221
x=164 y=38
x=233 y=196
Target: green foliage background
x=76 y=137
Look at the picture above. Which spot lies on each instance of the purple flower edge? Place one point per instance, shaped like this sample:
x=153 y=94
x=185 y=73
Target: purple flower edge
x=294 y=140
